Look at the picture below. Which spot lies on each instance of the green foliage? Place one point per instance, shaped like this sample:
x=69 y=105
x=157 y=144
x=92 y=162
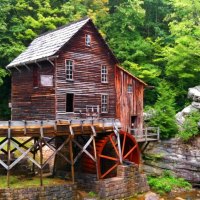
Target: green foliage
x=92 y=194
x=164 y=116
x=180 y=55
x=190 y=126
x=167 y=182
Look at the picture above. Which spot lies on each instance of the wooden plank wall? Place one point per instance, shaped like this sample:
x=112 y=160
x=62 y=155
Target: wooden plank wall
x=129 y=103
x=87 y=86
x=29 y=103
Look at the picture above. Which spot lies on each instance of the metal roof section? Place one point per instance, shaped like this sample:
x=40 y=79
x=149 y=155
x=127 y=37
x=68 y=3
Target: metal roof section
x=48 y=44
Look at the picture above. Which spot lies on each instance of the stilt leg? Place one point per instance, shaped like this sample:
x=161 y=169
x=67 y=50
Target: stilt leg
x=71 y=158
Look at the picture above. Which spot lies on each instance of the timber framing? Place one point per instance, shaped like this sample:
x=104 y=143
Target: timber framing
x=42 y=134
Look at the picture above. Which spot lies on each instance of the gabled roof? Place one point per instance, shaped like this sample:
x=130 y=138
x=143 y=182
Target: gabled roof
x=139 y=80
x=48 y=44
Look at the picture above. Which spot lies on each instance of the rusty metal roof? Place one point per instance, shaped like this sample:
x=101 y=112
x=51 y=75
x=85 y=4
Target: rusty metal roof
x=48 y=44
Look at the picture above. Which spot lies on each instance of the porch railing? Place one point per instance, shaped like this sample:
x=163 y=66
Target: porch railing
x=146 y=134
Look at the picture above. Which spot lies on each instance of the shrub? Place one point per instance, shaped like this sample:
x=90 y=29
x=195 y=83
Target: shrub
x=190 y=126
x=166 y=182
x=164 y=116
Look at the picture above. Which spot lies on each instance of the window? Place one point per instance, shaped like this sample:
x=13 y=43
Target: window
x=133 y=121
x=69 y=64
x=69 y=102
x=88 y=40
x=46 y=80
x=35 y=77
x=104 y=103
x=104 y=74
x=130 y=88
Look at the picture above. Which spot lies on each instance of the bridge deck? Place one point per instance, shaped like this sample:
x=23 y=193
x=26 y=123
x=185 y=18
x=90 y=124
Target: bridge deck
x=56 y=128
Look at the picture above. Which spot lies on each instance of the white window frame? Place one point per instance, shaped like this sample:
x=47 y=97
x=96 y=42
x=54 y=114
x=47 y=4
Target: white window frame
x=88 y=40
x=69 y=69
x=104 y=74
x=104 y=103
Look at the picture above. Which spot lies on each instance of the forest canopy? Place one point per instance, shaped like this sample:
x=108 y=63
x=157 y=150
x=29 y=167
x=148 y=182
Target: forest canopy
x=158 y=41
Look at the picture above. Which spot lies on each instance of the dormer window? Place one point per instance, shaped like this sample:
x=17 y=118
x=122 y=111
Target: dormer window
x=88 y=40
x=69 y=65
x=104 y=74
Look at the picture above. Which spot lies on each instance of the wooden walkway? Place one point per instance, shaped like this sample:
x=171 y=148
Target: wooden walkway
x=50 y=128
x=148 y=134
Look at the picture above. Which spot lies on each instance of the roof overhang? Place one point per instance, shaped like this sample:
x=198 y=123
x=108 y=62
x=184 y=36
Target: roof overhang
x=49 y=58
x=127 y=72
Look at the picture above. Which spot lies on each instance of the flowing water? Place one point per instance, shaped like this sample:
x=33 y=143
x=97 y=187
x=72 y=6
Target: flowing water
x=190 y=195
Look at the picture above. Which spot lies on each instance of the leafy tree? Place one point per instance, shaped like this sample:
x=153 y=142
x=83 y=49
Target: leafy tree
x=181 y=54
x=164 y=111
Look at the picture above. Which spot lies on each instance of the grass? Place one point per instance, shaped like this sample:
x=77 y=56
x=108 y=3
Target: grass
x=167 y=182
x=21 y=182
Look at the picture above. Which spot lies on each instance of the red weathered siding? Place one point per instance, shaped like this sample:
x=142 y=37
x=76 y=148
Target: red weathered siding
x=29 y=103
x=87 y=86
x=129 y=104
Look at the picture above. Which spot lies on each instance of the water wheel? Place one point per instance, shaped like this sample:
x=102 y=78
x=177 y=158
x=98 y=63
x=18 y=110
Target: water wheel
x=108 y=154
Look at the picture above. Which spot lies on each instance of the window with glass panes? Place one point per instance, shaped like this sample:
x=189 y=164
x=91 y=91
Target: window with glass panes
x=104 y=74
x=130 y=88
x=69 y=65
x=88 y=40
x=104 y=103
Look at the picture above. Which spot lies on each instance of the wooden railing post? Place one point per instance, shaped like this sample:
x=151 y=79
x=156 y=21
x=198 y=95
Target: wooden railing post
x=146 y=134
x=158 y=133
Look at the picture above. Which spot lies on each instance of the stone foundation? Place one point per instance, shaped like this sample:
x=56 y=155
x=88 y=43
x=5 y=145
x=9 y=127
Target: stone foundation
x=59 y=192
x=127 y=183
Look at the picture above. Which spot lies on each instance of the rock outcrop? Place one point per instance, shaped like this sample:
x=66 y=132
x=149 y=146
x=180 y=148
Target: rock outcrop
x=194 y=95
x=183 y=159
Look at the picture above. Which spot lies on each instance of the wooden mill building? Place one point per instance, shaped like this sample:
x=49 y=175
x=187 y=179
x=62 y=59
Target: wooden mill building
x=68 y=86
x=71 y=73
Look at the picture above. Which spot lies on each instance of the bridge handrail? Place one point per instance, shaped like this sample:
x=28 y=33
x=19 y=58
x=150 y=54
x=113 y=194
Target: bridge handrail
x=146 y=133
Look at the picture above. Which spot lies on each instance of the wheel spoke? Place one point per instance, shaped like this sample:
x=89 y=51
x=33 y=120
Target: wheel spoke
x=123 y=146
x=130 y=151
x=113 y=144
x=111 y=169
x=108 y=157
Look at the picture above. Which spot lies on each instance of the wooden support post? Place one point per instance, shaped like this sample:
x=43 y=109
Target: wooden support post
x=71 y=158
x=9 y=154
x=41 y=161
x=41 y=154
x=34 y=152
x=116 y=131
x=95 y=156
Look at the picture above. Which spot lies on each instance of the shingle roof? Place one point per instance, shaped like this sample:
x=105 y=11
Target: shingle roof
x=48 y=44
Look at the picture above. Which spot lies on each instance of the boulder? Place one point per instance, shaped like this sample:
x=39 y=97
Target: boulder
x=151 y=196
x=194 y=95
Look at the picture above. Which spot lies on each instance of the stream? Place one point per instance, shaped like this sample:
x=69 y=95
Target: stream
x=190 y=195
